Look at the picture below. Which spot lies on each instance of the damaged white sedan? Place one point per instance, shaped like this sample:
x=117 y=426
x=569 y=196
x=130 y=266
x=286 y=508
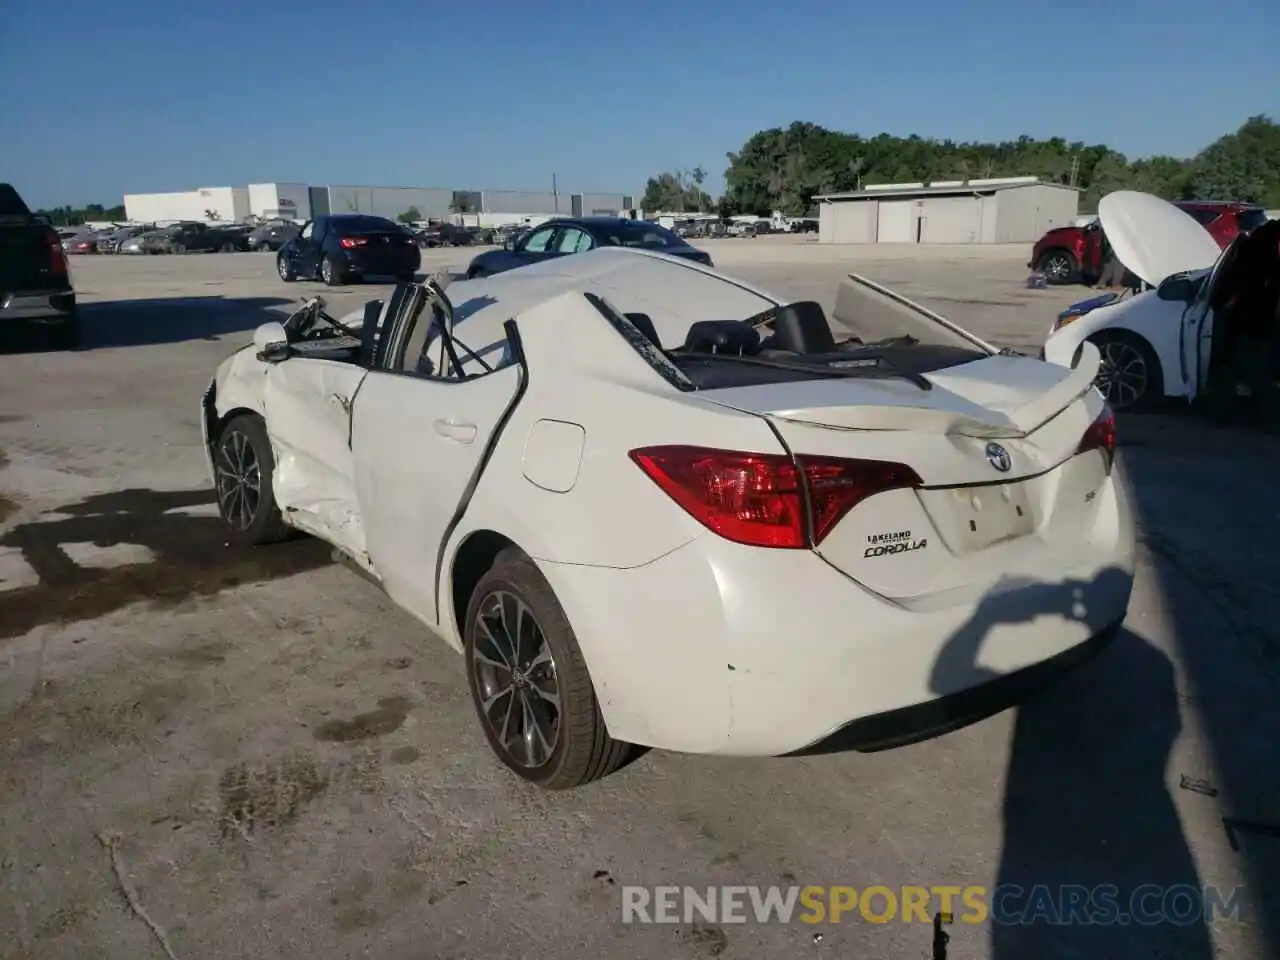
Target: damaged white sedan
x=653 y=505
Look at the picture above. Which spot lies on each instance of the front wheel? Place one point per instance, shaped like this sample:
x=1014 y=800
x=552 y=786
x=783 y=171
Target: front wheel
x=243 y=466
x=1059 y=267
x=529 y=682
x=284 y=267
x=1129 y=374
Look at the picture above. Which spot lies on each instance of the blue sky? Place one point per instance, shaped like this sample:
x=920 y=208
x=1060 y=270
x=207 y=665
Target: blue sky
x=105 y=97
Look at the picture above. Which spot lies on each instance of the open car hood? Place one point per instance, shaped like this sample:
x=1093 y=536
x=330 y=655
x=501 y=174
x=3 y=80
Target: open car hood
x=1153 y=238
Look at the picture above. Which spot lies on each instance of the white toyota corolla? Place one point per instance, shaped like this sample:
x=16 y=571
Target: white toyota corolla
x=1155 y=344
x=654 y=505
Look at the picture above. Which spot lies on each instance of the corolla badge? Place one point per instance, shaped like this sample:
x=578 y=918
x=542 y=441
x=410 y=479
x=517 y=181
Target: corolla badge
x=998 y=457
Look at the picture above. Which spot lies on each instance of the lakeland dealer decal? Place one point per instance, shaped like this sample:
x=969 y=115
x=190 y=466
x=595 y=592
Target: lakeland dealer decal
x=884 y=544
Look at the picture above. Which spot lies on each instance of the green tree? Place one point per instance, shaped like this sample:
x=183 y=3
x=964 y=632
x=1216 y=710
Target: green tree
x=783 y=168
x=676 y=191
x=412 y=215
x=1244 y=165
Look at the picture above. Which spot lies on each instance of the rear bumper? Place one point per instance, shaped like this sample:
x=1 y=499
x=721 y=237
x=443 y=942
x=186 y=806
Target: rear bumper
x=39 y=307
x=360 y=263
x=723 y=649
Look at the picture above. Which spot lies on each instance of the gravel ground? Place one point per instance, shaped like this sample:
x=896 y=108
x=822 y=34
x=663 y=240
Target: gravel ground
x=229 y=754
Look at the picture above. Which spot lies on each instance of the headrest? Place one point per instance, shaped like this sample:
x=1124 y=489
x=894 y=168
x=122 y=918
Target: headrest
x=722 y=336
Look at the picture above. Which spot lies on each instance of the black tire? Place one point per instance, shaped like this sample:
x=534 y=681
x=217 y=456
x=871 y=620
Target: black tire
x=66 y=335
x=179 y=248
x=241 y=456
x=228 y=247
x=331 y=272
x=285 y=269
x=1059 y=267
x=581 y=750
x=1130 y=376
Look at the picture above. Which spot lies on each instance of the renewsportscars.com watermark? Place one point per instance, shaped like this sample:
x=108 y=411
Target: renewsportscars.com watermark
x=1062 y=905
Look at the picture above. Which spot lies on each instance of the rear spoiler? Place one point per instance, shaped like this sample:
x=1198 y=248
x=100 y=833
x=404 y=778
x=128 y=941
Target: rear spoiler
x=1045 y=407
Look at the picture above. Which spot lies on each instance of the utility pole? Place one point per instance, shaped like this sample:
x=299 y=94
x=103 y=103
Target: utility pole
x=555 y=194
x=1075 y=169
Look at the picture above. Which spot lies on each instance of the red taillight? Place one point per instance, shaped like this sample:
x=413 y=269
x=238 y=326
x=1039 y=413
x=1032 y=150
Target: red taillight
x=1101 y=435
x=836 y=486
x=759 y=498
x=57 y=256
x=350 y=243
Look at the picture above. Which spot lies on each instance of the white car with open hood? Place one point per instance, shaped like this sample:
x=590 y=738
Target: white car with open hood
x=1154 y=344
x=654 y=505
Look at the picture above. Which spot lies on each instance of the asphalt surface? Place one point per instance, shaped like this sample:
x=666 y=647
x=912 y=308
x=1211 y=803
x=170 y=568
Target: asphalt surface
x=249 y=754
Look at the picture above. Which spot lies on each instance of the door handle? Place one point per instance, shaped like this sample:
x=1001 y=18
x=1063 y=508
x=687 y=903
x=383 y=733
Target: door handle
x=456 y=430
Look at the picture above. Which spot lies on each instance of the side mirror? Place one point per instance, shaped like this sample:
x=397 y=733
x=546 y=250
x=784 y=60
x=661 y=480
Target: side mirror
x=271 y=342
x=1178 y=289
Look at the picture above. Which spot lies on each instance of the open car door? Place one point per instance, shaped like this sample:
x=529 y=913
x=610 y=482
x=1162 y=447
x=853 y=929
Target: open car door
x=1196 y=346
x=424 y=426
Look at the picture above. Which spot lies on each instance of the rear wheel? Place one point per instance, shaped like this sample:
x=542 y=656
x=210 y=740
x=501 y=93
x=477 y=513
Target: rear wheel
x=330 y=272
x=179 y=248
x=228 y=247
x=529 y=682
x=243 y=467
x=1058 y=267
x=1129 y=375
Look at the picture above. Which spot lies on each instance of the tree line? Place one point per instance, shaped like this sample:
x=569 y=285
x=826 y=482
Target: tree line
x=783 y=169
x=75 y=216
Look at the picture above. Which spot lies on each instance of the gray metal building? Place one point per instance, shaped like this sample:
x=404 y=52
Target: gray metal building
x=1004 y=210
x=436 y=202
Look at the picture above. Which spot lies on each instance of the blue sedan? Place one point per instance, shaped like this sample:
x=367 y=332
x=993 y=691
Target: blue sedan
x=562 y=237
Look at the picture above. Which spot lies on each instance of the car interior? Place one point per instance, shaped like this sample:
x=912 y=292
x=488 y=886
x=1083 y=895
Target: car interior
x=796 y=338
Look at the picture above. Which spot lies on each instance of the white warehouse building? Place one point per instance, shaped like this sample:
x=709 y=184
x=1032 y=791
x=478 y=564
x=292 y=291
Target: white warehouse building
x=300 y=201
x=1003 y=210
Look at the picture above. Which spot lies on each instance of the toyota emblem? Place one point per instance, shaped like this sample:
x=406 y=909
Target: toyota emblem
x=998 y=457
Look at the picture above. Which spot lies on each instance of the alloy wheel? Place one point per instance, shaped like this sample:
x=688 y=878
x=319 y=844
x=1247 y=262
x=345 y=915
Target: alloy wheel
x=282 y=268
x=326 y=271
x=1057 y=268
x=1122 y=374
x=239 y=480
x=517 y=681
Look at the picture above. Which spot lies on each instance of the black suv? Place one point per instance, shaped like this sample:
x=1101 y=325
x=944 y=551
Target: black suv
x=35 y=282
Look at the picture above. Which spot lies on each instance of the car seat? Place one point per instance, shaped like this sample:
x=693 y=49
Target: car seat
x=802 y=328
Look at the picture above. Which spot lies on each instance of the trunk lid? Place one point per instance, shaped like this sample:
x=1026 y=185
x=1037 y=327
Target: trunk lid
x=994 y=444
x=384 y=250
x=1153 y=238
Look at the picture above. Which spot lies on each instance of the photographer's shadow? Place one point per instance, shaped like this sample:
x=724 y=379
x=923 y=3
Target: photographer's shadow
x=1086 y=801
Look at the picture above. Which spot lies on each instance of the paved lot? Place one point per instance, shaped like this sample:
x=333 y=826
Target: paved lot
x=275 y=761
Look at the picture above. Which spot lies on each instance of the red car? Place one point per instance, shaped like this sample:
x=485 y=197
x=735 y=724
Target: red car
x=1074 y=254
